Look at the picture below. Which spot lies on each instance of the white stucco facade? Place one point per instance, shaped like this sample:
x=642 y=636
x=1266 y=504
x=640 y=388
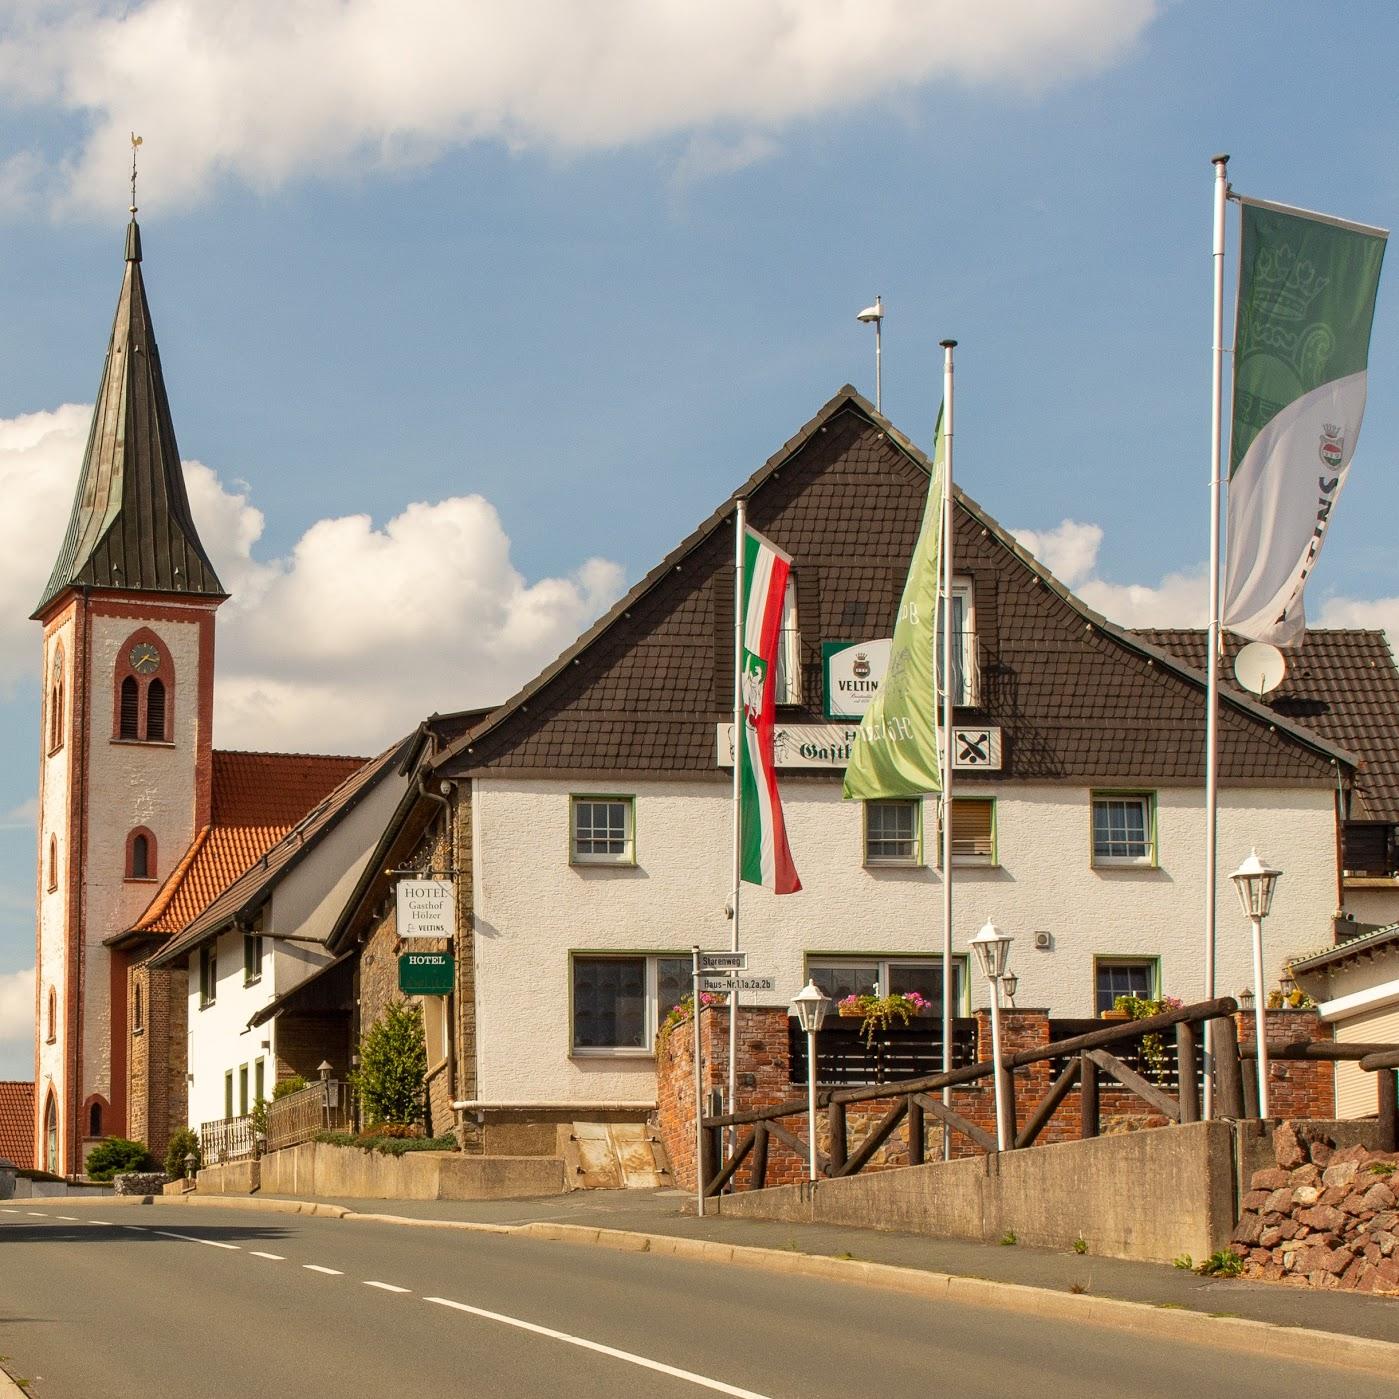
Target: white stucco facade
x=532 y=908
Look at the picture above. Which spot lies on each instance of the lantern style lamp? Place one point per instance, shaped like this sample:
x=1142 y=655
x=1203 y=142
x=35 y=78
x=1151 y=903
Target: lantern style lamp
x=992 y=948
x=1010 y=984
x=810 y=1005
x=1256 y=882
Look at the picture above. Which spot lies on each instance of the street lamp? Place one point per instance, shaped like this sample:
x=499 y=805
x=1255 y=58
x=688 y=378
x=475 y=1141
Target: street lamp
x=1255 y=882
x=992 y=948
x=1010 y=984
x=810 y=1005
x=875 y=314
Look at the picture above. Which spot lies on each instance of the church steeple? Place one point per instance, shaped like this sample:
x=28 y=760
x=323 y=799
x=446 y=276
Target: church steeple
x=131 y=527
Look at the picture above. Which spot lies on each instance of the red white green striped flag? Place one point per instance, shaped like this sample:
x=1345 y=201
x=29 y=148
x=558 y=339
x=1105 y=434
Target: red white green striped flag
x=764 y=857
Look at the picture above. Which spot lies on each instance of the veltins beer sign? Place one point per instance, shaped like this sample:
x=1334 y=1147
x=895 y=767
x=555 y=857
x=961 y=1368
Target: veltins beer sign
x=852 y=672
x=424 y=908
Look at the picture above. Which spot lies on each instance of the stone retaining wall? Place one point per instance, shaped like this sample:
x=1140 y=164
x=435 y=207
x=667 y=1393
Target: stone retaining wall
x=1322 y=1216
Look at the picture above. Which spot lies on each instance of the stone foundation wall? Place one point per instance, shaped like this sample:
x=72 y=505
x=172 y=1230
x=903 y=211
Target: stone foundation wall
x=764 y=1081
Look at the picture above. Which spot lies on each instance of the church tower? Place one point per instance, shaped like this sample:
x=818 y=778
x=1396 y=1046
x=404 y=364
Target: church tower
x=125 y=755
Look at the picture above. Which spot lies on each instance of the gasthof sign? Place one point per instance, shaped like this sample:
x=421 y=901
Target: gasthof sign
x=424 y=908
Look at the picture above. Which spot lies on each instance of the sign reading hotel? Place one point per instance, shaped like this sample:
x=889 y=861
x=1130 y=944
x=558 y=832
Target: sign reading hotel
x=426 y=973
x=853 y=672
x=828 y=746
x=424 y=908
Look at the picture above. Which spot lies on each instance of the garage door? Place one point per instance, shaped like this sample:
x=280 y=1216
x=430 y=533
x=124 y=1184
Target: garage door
x=1355 y=1089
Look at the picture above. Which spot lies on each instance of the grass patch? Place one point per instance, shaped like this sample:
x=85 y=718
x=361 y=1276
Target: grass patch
x=1009 y=1239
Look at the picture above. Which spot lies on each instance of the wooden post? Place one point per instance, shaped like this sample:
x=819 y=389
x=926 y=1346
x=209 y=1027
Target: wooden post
x=1088 y=1097
x=835 y=1119
x=1387 y=1084
x=1012 y=1126
x=1188 y=1072
x=1228 y=1071
x=758 y=1179
x=915 y=1132
x=708 y=1164
x=1250 y=1085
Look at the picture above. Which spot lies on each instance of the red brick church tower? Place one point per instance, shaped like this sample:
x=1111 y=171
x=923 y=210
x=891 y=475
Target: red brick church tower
x=125 y=757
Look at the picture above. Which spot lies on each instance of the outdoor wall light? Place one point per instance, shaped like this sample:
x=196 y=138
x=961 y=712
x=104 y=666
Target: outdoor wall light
x=1255 y=882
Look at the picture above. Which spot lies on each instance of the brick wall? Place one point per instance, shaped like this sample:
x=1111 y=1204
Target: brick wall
x=157 y=1086
x=1297 y=1089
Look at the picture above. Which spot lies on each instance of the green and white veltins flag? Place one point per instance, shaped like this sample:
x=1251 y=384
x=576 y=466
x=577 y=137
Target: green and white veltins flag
x=895 y=753
x=1307 y=288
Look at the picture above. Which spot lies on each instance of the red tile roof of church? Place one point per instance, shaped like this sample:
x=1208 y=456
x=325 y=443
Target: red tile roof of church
x=17 y=1123
x=257 y=799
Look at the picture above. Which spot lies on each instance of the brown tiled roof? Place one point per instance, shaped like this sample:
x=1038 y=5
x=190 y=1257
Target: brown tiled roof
x=17 y=1123
x=1078 y=698
x=251 y=888
x=1341 y=684
x=256 y=799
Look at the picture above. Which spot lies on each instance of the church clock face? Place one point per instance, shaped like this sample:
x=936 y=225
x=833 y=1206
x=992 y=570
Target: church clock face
x=145 y=659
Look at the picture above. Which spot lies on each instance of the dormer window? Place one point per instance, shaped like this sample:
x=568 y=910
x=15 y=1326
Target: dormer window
x=144 y=690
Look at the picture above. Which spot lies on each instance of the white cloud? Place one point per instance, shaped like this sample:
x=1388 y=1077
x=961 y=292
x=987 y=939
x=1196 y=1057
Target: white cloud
x=17 y=1006
x=267 y=90
x=21 y=817
x=350 y=640
x=1070 y=552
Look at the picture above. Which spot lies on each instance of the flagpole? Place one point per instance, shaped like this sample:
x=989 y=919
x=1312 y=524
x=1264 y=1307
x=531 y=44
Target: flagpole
x=947 y=706
x=1221 y=192
x=740 y=533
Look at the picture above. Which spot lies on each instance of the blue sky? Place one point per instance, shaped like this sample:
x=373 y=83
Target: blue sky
x=493 y=314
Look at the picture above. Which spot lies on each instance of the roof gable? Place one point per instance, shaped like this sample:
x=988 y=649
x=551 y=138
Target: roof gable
x=1079 y=699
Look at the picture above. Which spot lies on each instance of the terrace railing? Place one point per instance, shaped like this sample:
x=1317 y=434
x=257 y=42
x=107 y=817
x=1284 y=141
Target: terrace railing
x=320 y=1107
x=227 y=1139
x=1106 y=1055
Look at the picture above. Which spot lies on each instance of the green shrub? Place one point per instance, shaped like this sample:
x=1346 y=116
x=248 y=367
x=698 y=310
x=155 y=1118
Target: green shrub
x=1224 y=1263
x=387 y=1146
x=283 y=1086
x=393 y=1065
x=116 y=1156
x=182 y=1143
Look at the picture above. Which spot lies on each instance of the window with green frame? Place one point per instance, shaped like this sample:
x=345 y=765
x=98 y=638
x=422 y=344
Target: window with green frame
x=601 y=830
x=619 y=999
x=1124 y=828
x=1123 y=976
x=894 y=832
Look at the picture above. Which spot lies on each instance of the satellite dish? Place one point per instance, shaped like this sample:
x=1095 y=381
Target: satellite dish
x=1259 y=667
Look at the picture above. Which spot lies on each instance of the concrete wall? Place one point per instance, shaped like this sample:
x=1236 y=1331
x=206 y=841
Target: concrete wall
x=1148 y=1195
x=531 y=907
x=349 y=1172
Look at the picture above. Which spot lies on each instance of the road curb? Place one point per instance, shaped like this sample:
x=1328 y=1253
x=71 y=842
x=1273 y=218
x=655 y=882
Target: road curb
x=1277 y=1342
x=9 y=1386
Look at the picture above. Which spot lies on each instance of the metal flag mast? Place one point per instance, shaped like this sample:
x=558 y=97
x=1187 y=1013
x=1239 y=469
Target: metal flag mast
x=947 y=712
x=740 y=533
x=1221 y=194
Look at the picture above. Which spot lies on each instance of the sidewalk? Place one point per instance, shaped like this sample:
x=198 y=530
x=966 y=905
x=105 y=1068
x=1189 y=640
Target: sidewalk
x=665 y=1212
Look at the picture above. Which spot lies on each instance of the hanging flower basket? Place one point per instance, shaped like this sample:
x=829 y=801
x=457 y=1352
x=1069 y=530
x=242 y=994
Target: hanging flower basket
x=880 y=1012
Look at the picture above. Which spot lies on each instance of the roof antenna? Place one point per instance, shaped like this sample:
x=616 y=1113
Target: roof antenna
x=135 y=143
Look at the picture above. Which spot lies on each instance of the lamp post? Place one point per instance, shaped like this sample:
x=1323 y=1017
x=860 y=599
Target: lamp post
x=1255 y=882
x=992 y=948
x=875 y=314
x=1010 y=984
x=811 y=1005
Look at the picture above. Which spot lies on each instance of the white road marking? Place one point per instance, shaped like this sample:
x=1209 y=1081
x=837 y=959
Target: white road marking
x=275 y=1257
x=387 y=1287
x=10 y=1211
x=38 y=1214
x=71 y=1218
x=106 y=1222
x=190 y=1239
x=703 y=1381
x=316 y=1268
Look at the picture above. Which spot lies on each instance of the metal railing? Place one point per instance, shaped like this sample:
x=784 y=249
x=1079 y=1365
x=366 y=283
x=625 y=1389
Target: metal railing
x=297 y=1117
x=846 y=1056
x=227 y=1139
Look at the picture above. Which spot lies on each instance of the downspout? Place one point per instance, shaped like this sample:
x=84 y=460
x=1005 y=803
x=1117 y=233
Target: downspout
x=445 y=802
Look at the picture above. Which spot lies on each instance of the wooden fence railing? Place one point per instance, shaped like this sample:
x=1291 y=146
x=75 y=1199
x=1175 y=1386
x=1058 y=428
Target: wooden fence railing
x=320 y=1107
x=1088 y=1061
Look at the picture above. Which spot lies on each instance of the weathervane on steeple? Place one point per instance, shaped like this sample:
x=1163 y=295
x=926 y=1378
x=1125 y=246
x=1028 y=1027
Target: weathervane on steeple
x=135 y=143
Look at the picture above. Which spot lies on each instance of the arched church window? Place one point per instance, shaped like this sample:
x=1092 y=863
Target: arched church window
x=155 y=712
x=138 y=1009
x=53 y=863
x=130 y=707
x=56 y=701
x=94 y=1120
x=51 y=1029
x=140 y=854
x=51 y=1135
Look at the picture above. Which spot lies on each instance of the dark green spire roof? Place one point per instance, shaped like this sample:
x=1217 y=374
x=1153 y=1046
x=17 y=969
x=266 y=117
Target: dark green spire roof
x=131 y=526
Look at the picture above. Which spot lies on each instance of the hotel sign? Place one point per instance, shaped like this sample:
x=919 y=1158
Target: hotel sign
x=424 y=908
x=852 y=672
x=828 y=746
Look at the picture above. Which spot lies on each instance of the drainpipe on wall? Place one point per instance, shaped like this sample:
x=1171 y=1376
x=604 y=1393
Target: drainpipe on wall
x=443 y=799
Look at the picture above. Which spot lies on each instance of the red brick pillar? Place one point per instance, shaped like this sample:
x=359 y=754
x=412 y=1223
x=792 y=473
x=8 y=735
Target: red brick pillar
x=1297 y=1088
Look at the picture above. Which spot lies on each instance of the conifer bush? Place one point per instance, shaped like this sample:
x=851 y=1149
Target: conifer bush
x=182 y=1143
x=117 y=1156
x=393 y=1066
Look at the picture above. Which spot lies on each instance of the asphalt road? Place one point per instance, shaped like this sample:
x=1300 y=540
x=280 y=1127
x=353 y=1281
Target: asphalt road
x=101 y=1302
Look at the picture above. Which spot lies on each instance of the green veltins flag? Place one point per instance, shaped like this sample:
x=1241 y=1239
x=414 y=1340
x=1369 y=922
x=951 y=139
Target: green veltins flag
x=895 y=753
x=1307 y=288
